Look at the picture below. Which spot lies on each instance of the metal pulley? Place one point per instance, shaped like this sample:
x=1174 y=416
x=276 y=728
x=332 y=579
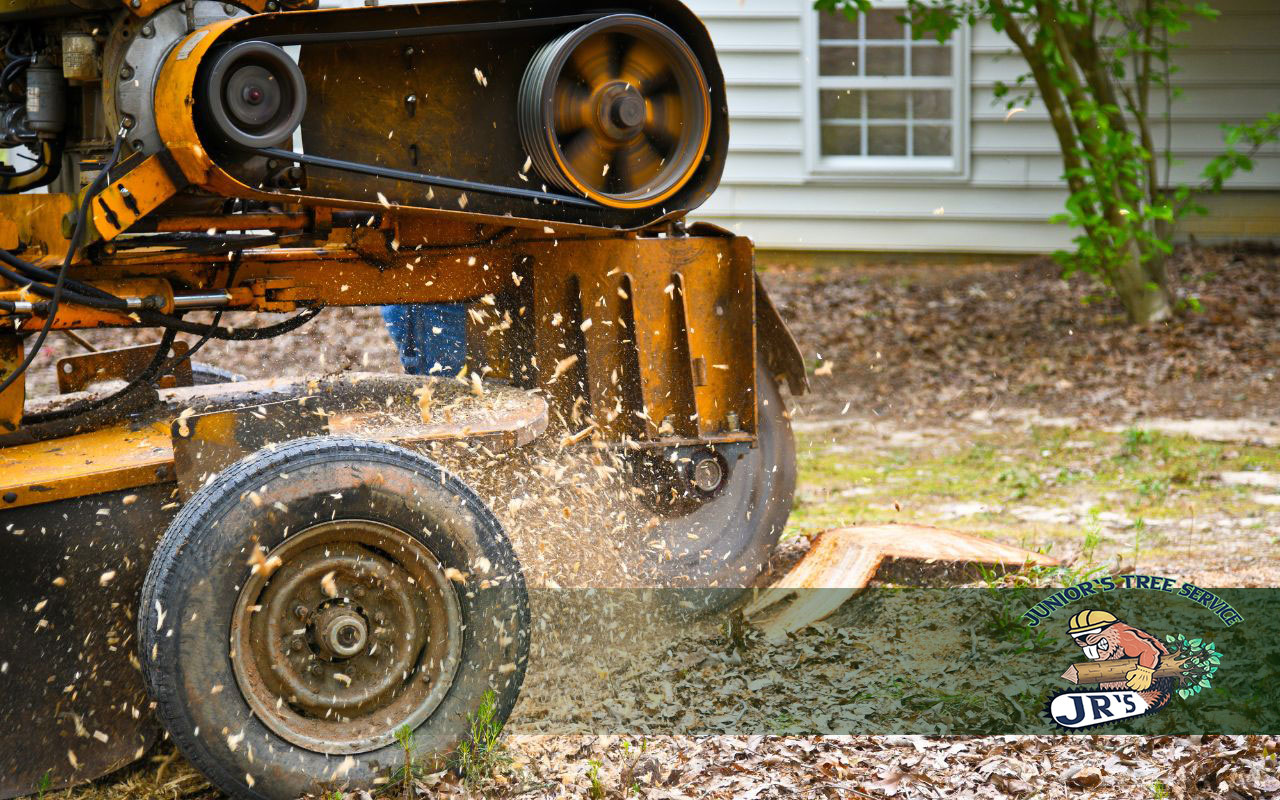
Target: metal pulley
x=618 y=110
x=251 y=95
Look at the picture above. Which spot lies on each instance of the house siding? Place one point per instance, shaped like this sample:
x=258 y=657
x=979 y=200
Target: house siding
x=1001 y=203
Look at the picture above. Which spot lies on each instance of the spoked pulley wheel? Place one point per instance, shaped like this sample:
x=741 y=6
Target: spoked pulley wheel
x=618 y=110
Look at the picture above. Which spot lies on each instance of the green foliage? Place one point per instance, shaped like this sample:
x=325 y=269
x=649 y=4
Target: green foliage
x=482 y=754
x=1099 y=67
x=596 y=789
x=1159 y=791
x=405 y=775
x=1134 y=440
x=1200 y=663
x=1242 y=142
x=43 y=785
x=1021 y=480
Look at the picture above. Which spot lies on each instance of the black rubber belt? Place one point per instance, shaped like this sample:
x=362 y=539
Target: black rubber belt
x=431 y=30
x=418 y=177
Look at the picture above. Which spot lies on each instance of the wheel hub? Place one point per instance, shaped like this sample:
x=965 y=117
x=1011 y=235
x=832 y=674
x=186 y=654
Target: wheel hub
x=620 y=111
x=357 y=633
x=341 y=632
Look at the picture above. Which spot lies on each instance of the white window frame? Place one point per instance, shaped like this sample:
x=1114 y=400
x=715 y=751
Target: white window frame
x=879 y=168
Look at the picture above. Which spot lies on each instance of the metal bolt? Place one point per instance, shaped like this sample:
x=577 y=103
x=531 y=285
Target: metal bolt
x=314 y=669
x=300 y=612
x=357 y=591
x=135 y=3
x=708 y=474
x=732 y=421
x=148 y=31
x=295 y=644
x=127 y=122
x=126 y=73
x=272 y=6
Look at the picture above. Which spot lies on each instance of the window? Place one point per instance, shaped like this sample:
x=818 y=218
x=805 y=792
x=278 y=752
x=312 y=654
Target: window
x=882 y=102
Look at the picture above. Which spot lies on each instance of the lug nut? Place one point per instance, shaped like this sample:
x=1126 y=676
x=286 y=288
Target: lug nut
x=300 y=612
x=148 y=31
x=295 y=644
x=314 y=669
x=126 y=73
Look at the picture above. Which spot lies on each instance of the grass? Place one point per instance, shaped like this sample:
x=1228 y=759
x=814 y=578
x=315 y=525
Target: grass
x=1137 y=476
x=482 y=754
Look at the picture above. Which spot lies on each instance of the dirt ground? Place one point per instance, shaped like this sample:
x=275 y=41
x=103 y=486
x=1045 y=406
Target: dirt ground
x=999 y=400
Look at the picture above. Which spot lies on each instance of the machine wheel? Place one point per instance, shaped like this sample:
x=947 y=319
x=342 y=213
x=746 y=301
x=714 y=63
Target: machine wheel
x=738 y=529
x=209 y=375
x=361 y=588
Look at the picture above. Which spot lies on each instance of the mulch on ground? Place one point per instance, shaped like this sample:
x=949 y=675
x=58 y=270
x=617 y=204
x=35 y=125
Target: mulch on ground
x=923 y=341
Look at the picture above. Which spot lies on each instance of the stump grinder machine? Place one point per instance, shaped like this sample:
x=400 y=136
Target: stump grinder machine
x=272 y=571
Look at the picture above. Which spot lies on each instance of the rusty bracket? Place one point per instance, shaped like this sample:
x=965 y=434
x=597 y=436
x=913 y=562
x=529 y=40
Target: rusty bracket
x=131 y=197
x=279 y=295
x=206 y=444
x=78 y=372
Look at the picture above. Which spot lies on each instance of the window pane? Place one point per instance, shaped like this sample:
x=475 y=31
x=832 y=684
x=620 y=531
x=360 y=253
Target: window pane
x=838 y=61
x=931 y=104
x=887 y=104
x=931 y=140
x=841 y=140
x=930 y=60
x=887 y=140
x=837 y=26
x=882 y=23
x=889 y=60
x=841 y=104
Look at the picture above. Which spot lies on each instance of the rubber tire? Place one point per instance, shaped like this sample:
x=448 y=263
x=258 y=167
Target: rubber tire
x=208 y=375
x=739 y=529
x=193 y=582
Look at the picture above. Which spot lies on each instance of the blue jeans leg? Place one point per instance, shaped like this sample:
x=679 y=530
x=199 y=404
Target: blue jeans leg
x=432 y=339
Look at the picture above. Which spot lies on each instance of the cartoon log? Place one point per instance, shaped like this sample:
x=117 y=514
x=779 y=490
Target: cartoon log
x=1116 y=670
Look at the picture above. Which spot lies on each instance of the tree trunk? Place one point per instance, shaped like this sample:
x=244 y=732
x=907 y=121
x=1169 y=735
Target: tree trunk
x=1144 y=297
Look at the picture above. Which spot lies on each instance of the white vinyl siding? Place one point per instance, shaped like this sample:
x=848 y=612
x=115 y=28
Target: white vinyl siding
x=1001 y=199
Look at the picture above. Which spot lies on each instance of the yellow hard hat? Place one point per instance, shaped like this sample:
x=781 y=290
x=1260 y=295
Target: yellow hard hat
x=1089 y=621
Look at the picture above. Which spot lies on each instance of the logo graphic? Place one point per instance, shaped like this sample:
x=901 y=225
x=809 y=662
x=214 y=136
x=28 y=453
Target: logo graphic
x=1136 y=673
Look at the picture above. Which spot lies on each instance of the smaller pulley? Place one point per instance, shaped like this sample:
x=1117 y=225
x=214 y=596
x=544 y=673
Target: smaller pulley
x=618 y=110
x=251 y=95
